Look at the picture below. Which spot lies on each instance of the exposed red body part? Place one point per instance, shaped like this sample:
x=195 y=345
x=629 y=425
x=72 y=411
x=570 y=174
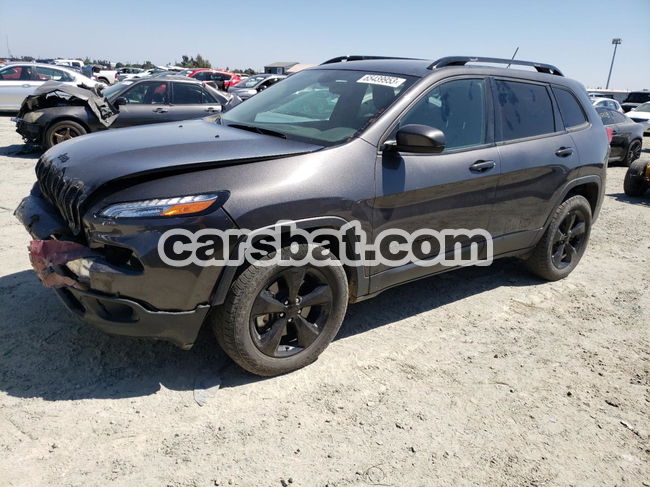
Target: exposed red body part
x=44 y=254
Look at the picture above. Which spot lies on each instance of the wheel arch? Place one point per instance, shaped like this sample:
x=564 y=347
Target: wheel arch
x=358 y=282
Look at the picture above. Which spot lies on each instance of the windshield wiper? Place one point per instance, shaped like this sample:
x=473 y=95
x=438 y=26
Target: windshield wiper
x=258 y=130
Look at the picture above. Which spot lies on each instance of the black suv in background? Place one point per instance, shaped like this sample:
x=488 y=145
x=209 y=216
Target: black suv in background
x=634 y=99
x=391 y=143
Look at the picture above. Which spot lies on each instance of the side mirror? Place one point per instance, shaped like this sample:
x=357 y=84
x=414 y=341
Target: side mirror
x=121 y=101
x=420 y=139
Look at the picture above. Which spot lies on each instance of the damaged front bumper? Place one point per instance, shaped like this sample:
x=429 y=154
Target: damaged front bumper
x=29 y=131
x=81 y=275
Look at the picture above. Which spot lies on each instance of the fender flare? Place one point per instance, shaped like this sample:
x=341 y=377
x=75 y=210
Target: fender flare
x=566 y=189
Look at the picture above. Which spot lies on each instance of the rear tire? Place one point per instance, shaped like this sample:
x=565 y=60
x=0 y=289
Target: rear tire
x=634 y=183
x=61 y=131
x=633 y=152
x=564 y=242
x=266 y=325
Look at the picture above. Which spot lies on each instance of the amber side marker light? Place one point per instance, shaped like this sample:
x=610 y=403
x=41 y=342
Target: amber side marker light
x=188 y=208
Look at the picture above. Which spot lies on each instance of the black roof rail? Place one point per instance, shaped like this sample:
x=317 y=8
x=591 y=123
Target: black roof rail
x=462 y=60
x=356 y=57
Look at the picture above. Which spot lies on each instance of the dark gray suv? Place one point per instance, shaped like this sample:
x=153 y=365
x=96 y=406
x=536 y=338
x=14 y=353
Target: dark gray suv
x=393 y=144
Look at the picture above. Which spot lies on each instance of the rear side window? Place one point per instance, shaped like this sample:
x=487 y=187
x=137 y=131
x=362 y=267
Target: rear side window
x=188 y=94
x=524 y=110
x=610 y=117
x=570 y=109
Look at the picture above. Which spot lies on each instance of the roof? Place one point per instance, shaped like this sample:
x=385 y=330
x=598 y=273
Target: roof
x=281 y=64
x=422 y=68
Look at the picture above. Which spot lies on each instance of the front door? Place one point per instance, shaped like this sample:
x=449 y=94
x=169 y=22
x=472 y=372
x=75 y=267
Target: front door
x=146 y=102
x=452 y=190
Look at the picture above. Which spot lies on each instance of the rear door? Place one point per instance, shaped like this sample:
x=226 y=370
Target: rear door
x=537 y=156
x=147 y=102
x=191 y=100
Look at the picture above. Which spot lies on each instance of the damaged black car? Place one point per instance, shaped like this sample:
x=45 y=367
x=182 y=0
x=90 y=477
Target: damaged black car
x=58 y=112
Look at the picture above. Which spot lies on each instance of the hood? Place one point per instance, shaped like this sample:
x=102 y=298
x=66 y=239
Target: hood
x=641 y=115
x=54 y=94
x=94 y=160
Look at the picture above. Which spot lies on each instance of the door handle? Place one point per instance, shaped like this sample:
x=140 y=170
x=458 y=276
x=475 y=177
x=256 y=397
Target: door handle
x=26 y=86
x=212 y=110
x=481 y=166
x=160 y=110
x=564 y=152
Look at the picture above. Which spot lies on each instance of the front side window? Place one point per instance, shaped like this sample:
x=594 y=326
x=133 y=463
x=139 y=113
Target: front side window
x=523 y=110
x=570 y=109
x=323 y=106
x=455 y=107
x=149 y=93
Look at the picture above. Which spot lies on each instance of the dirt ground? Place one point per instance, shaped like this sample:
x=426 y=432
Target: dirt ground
x=484 y=376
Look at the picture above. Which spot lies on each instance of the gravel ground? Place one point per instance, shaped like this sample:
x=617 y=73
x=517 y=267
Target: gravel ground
x=484 y=376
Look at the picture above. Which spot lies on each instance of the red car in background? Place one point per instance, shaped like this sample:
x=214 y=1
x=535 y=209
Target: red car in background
x=221 y=79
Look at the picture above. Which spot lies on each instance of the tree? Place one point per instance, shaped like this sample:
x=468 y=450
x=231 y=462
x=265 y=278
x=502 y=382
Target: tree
x=199 y=62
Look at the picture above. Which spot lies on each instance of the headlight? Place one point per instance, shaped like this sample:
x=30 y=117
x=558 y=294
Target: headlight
x=31 y=117
x=179 y=205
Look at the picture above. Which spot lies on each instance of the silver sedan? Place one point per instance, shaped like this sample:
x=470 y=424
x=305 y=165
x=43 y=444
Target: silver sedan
x=18 y=80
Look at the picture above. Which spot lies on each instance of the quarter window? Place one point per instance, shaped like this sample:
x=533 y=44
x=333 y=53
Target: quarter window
x=455 y=107
x=524 y=110
x=570 y=109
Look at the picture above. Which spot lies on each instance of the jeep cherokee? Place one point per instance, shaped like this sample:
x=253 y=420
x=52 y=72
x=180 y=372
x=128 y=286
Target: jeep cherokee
x=391 y=143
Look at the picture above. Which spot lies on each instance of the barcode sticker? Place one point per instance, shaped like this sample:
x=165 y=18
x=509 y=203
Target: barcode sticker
x=380 y=79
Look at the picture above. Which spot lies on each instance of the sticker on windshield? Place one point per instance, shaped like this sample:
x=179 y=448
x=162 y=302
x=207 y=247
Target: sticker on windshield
x=380 y=79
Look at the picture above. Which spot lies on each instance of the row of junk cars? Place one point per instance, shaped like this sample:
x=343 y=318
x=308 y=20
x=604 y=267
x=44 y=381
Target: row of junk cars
x=56 y=102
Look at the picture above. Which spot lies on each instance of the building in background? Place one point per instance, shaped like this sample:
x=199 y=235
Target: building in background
x=279 y=67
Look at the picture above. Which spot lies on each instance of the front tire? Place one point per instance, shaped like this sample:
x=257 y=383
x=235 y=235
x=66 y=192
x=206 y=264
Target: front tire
x=564 y=242
x=61 y=131
x=278 y=319
x=634 y=183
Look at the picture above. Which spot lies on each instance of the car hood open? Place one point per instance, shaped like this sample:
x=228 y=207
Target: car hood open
x=151 y=151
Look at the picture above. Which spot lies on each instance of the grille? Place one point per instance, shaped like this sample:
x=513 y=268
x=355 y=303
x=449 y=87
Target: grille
x=64 y=194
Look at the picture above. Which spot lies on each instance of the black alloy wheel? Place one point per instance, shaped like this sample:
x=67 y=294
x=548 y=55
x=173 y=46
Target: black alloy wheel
x=569 y=239
x=289 y=313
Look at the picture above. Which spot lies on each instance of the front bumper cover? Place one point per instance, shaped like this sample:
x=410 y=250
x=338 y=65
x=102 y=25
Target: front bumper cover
x=119 y=316
x=112 y=313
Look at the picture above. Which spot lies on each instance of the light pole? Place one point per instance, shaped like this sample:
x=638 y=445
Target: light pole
x=616 y=42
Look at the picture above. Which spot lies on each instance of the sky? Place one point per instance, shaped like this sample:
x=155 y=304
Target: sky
x=574 y=35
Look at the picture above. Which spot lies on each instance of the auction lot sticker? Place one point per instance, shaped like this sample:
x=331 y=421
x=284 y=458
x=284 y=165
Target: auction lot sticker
x=380 y=79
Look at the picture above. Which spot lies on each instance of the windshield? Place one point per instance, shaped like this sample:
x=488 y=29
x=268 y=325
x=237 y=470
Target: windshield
x=251 y=82
x=326 y=107
x=638 y=97
x=645 y=107
x=115 y=89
